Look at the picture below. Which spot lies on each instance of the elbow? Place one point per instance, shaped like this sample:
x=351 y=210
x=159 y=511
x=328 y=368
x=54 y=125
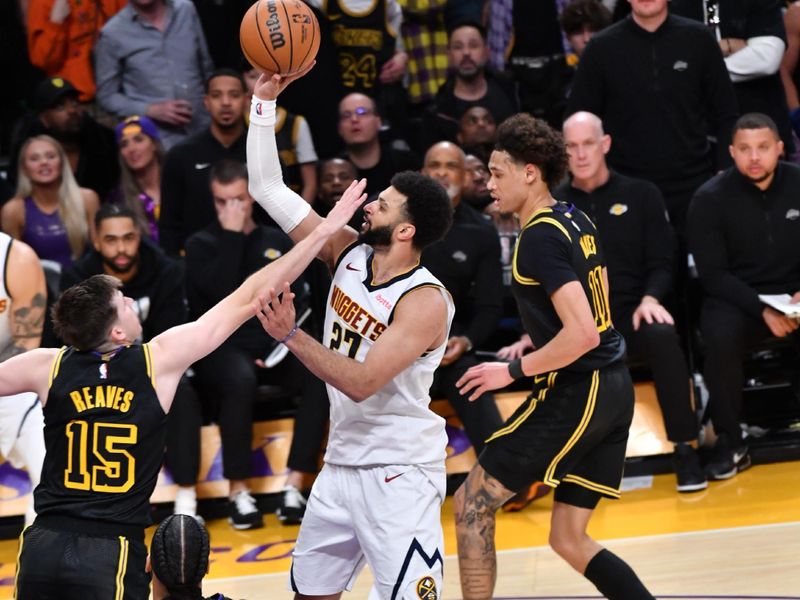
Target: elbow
x=590 y=339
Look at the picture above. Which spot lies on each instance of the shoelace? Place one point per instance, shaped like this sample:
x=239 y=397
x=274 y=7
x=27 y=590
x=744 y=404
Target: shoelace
x=245 y=503
x=293 y=498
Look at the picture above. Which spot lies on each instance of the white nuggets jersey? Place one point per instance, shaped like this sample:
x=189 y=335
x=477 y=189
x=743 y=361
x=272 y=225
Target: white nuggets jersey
x=394 y=426
x=5 y=299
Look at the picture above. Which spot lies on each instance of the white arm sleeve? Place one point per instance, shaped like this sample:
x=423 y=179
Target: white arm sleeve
x=285 y=207
x=761 y=57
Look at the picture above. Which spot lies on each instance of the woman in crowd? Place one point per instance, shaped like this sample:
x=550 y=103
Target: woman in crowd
x=141 y=156
x=50 y=212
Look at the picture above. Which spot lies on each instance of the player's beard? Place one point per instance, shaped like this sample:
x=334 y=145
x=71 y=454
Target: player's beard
x=122 y=270
x=377 y=237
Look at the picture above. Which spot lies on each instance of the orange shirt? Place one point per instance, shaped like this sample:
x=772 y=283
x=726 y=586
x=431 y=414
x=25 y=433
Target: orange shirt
x=65 y=49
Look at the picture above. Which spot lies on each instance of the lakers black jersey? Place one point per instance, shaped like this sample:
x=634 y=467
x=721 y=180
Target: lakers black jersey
x=104 y=435
x=558 y=245
x=363 y=42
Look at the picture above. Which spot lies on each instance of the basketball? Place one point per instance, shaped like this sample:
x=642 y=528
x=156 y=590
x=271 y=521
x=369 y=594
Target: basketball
x=279 y=36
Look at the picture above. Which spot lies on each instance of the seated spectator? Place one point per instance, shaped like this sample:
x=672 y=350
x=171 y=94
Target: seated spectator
x=580 y=20
x=50 y=212
x=470 y=83
x=89 y=146
x=155 y=284
x=639 y=246
x=743 y=229
x=186 y=202
x=218 y=259
x=476 y=176
x=477 y=131
x=467 y=262
x=335 y=176
x=141 y=157
x=61 y=37
x=359 y=125
x=151 y=59
x=178 y=560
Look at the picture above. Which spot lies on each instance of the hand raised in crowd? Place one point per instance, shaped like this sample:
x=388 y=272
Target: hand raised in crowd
x=516 y=350
x=393 y=69
x=233 y=216
x=60 y=11
x=276 y=312
x=651 y=311
x=172 y=112
x=269 y=85
x=779 y=324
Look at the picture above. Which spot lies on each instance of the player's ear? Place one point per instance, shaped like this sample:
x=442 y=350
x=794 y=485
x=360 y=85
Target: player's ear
x=532 y=173
x=405 y=231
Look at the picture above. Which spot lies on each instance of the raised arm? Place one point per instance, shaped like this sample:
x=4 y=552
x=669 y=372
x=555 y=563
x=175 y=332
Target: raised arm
x=420 y=323
x=177 y=348
x=293 y=214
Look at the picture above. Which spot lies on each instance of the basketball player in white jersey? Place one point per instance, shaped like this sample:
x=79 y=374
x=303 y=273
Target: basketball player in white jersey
x=377 y=500
x=23 y=297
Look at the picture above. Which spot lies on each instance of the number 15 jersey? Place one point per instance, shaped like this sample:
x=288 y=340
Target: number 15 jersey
x=556 y=246
x=104 y=434
x=394 y=426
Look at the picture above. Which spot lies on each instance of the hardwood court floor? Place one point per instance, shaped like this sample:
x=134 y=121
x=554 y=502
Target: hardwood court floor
x=738 y=539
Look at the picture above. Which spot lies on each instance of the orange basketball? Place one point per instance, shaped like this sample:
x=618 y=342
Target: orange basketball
x=279 y=36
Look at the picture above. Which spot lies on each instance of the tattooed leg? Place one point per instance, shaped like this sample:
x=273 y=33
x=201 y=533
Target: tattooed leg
x=475 y=504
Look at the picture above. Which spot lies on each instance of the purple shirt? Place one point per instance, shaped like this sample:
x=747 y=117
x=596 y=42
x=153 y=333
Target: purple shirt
x=46 y=234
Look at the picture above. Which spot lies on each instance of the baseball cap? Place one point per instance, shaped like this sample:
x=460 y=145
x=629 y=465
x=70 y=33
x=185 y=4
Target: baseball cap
x=49 y=92
x=136 y=124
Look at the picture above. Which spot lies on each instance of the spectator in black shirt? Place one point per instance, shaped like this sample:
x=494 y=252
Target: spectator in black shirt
x=660 y=86
x=218 y=259
x=477 y=130
x=186 y=203
x=155 y=283
x=744 y=227
x=470 y=83
x=639 y=246
x=90 y=146
x=359 y=125
x=467 y=262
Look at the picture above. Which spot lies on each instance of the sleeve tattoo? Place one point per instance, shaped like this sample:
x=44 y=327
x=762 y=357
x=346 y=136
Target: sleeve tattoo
x=27 y=323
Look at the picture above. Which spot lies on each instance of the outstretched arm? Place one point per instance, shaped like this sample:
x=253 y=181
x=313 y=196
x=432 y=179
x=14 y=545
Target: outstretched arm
x=293 y=214
x=177 y=348
x=419 y=324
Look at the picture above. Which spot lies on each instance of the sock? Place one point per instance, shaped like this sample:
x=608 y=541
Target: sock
x=614 y=578
x=186 y=501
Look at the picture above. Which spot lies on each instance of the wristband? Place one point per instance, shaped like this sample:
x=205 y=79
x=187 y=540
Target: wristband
x=262 y=112
x=290 y=335
x=515 y=369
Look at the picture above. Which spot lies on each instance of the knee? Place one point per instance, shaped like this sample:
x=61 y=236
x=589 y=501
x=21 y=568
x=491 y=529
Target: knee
x=658 y=333
x=562 y=543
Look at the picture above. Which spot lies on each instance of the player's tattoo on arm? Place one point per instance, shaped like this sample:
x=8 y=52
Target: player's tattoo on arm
x=26 y=323
x=480 y=496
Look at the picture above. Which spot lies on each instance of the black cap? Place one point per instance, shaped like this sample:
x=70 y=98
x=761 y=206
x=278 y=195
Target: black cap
x=51 y=91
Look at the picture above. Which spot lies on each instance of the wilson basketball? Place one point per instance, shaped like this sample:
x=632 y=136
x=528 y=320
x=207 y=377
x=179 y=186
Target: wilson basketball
x=279 y=36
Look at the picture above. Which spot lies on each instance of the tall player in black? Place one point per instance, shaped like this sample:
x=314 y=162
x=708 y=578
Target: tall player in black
x=105 y=401
x=572 y=430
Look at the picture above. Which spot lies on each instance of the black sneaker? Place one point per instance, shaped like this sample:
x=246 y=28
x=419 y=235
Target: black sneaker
x=689 y=473
x=243 y=512
x=726 y=462
x=292 y=506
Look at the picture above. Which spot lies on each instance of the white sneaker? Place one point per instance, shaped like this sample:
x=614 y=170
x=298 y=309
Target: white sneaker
x=186 y=504
x=292 y=506
x=243 y=512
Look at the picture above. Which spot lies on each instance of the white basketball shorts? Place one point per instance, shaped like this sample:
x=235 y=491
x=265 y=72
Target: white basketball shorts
x=388 y=517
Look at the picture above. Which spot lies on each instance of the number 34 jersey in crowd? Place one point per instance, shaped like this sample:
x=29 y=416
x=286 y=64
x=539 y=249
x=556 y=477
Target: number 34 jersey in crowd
x=104 y=434
x=394 y=426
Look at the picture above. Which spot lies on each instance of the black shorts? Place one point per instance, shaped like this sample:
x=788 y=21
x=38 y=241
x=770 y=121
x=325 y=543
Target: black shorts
x=570 y=433
x=66 y=565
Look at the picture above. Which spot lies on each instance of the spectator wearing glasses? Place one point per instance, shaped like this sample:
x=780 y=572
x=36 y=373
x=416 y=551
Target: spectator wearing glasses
x=359 y=126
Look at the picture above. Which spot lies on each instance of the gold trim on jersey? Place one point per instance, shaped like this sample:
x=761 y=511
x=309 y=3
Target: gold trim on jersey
x=19 y=554
x=555 y=223
x=591 y=485
x=352 y=13
x=55 y=366
x=148 y=361
x=541 y=211
x=549 y=478
x=392 y=278
x=121 y=568
x=534 y=401
x=280 y=118
x=517 y=277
